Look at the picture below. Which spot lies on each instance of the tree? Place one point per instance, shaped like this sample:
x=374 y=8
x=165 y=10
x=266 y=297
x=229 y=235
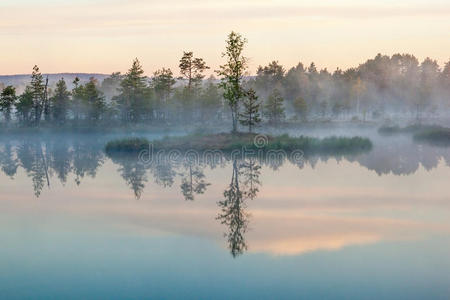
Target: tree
x=274 y=109
x=358 y=89
x=110 y=85
x=94 y=101
x=24 y=106
x=193 y=182
x=251 y=116
x=162 y=83
x=232 y=74
x=233 y=214
x=134 y=100
x=37 y=89
x=77 y=98
x=60 y=102
x=7 y=100
x=301 y=108
x=192 y=68
x=211 y=102
x=429 y=75
x=270 y=76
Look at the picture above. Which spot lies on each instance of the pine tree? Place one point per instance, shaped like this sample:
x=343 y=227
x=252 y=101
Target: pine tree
x=192 y=68
x=162 y=83
x=93 y=100
x=300 y=107
x=60 y=102
x=134 y=101
x=251 y=116
x=274 y=109
x=37 y=89
x=7 y=100
x=77 y=98
x=24 y=106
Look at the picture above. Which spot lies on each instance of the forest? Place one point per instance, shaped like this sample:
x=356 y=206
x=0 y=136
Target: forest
x=384 y=88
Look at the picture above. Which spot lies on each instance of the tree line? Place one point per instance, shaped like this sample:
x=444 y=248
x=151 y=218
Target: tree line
x=377 y=89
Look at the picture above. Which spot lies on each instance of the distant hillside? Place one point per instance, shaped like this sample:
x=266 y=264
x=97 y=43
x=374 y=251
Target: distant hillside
x=21 y=80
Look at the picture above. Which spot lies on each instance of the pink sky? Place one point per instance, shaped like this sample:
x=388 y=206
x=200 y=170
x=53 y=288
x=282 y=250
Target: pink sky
x=105 y=36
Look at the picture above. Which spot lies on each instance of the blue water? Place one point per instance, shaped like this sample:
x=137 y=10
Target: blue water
x=365 y=227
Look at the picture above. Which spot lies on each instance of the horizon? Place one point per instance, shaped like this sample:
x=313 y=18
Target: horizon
x=253 y=73
x=59 y=36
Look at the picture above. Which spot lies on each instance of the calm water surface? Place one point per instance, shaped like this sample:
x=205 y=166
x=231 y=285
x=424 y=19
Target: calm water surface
x=75 y=223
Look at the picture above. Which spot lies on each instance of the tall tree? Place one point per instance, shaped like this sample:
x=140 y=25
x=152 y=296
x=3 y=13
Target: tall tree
x=211 y=102
x=133 y=100
x=37 y=88
x=429 y=75
x=162 y=83
x=94 y=101
x=250 y=116
x=192 y=68
x=301 y=108
x=60 y=102
x=232 y=73
x=7 y=100
x=24 y=106
x=270 y=76
x=110 y=85
x=274 y=109
x=358 y=89
x=77 y=99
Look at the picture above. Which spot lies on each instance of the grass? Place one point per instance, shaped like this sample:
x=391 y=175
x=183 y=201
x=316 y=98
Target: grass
x=228 y=142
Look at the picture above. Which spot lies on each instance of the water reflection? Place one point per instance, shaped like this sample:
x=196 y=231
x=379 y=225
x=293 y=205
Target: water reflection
x=44 y=160
x=244 y=185
x=193 y=181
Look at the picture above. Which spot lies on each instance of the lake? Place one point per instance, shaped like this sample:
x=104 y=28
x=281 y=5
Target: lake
x=77 y=224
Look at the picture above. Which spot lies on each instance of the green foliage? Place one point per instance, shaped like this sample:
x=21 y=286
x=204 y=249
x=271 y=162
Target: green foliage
x=274 y=109
x=162 y=83
x=192 y=68
x=232 y=73
x=110 y=86
x=134 y=100
x=7 y=100
x=88 y=102
x=210 y=101
x=301 y=108
x=228 y=142
x=38 y=92
x=24 y=106
x=60 y=102
x=250 y=116
x=269 y=77
x=398 y=83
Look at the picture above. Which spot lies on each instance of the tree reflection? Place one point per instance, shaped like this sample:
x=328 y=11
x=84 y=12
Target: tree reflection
x=43 y=158
x=87 y=159
x=33 y=157
x=244 y=185
x=133 y=172
x=8 y=162
x=60 y=156
x=193 y=182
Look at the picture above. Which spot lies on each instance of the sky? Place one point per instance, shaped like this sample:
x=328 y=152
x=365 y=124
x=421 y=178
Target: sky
x=105 y=36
